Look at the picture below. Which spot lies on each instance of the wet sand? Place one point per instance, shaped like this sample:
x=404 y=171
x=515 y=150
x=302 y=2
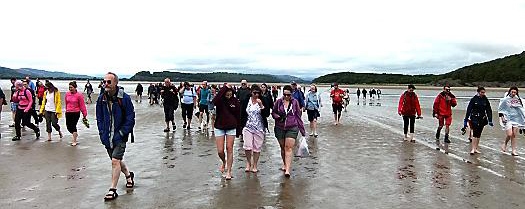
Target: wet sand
x=362 y=163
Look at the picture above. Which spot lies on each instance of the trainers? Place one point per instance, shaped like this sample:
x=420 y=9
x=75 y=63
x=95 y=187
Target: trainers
x=174 y=127
x=184 y=125
x=166 y=130
x=16 y=138
x=12 y=125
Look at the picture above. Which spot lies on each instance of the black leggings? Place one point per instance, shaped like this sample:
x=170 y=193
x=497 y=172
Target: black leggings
x=71 y=121
x=187 y=111
x=23 y=119
x=412 y=120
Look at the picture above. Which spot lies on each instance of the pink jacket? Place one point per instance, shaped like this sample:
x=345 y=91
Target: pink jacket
x=75 y=103
x=25 y=99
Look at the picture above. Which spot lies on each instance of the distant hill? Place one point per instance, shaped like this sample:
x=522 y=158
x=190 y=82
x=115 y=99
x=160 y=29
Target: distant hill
x=505 y=71
x=7 y=73
x=213 y=77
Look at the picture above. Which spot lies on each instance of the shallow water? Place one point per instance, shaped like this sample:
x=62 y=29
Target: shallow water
x=362 y=163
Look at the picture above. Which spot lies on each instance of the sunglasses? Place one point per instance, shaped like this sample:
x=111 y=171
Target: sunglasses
x=107 y=81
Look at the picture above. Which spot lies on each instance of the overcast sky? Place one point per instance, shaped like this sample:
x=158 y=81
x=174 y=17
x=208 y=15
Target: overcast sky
x=303 y=38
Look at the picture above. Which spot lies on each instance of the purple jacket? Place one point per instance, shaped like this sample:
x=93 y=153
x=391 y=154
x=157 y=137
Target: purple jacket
x=293 y=118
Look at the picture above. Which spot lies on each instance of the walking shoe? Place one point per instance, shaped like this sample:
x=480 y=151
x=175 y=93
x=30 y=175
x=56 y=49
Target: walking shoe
x=12 y=125
x=446 y=139
x=184 y=125
x=166 y=130
x=174 y=127
x=16 y=138
x=445 y=147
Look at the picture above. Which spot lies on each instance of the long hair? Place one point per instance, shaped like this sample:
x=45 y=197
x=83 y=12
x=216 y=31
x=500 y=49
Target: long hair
x=51 y=87
x=517 y=93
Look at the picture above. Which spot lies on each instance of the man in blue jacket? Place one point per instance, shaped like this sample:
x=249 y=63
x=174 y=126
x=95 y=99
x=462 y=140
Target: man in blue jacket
x=115 y=121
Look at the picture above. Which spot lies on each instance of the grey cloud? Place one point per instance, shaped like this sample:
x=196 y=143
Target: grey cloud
x=214 y=62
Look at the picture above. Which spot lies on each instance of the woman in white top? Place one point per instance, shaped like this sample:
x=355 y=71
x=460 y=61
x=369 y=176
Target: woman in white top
x=253 y=132
x=512 y=118
x=51 y=108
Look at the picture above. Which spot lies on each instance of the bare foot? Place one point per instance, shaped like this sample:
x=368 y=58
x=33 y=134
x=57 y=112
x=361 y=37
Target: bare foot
x=221 y=168
x=228 y=176
x=503 y=148
x=477 y=151
x=287 y=174
x=254 y=170
x=74 y=144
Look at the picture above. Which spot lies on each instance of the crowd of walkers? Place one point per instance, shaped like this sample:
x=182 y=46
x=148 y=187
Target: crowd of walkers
x=511 y=114
x=232 y=112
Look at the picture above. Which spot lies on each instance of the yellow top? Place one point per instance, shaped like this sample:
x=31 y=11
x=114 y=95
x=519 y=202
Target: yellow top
x=58 y=104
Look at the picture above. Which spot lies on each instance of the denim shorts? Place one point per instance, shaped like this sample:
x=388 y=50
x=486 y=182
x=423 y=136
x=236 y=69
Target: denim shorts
x=14 y=106
x=221 y=132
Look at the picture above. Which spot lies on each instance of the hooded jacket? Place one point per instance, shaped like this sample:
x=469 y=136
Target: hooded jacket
x=228 y=112
x=123 y=120
x=292 y=119
x=409 y=104
x=479 y=110
x=442 y=107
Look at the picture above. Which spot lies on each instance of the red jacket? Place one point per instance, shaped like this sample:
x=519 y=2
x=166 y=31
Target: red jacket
x=409 y=104
x=442 y=107
x=40 y=91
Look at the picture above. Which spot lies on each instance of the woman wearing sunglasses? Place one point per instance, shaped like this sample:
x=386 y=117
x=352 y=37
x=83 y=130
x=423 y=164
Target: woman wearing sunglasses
x=253 y=132
x=288 y=124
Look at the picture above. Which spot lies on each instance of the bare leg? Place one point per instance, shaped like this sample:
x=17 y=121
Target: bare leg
x=49 y=136
x=315 y=127
x=514 y=142
x=507 y=139
x=288 y=154
x=255 y=161
x=473 y=146
x=220 y=151
x=283 y=156
x=248 y=160
x=75 y=136
x=229 y=156
x=116 y=169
